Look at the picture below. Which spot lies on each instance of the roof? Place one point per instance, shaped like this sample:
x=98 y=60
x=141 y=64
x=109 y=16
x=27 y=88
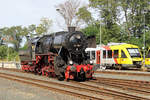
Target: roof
x=125 y=46
x=34 y=40
x=113 y=43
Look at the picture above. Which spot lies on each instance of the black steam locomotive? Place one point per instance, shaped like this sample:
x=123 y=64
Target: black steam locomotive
x=60 y=55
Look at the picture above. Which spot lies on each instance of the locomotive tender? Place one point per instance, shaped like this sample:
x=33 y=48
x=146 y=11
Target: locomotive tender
x=60 y=55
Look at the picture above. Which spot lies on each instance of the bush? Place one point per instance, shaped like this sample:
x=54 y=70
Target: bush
x=8 y=53
x=3 y=52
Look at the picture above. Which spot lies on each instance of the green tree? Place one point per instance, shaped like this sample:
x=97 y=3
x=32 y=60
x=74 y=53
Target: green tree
x=43 y=27
x=2 y=37
x=122 y=21
x=108 y=11
x=12 y=54
x=108 y=18
x=92 y=29
x=14 y=35
x=114 y=34
x=135 y=13
x=31 y=30
x=85 y=15
x=8 y=53
x=3 y=52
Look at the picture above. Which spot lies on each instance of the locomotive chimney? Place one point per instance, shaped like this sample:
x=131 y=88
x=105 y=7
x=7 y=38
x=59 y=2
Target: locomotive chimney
x=71 y=29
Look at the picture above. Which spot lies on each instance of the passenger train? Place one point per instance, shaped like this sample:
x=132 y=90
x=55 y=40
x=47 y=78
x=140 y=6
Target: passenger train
x=116 y=55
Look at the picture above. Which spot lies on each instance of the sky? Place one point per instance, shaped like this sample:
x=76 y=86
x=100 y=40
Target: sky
x=27 y=12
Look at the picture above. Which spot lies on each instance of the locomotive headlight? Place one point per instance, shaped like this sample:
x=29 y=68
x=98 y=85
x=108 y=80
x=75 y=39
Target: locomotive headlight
x=91 y=62
x=71 y=62
x=78 y=36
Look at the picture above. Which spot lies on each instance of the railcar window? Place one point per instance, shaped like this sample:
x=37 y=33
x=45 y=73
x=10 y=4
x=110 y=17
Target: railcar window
x=134 y=52
x=123 y=55
x=148 y=55
x=116 y=53
x=104 y=53
x=109 y=53
x=93 y=54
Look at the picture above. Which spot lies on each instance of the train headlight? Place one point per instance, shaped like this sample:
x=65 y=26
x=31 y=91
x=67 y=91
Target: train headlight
x=91 y=62
x=78 y=36
x=71 y=62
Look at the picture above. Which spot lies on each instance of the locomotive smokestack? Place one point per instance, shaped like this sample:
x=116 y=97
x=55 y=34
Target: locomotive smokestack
x=71 y=29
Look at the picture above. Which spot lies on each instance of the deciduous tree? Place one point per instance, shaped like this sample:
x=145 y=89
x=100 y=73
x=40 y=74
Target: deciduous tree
x=68 y=11
x=44 y=26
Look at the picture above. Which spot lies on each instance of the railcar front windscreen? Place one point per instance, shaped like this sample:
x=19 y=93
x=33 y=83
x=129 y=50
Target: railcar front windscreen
x=134 y=52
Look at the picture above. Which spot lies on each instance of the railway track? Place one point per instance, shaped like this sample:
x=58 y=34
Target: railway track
x=12 y=69
x=30 y=81
x=141 y=87
x=120 y=95
x=88 y=88
x=130 y=85
x=98 y=72
x=135 y=82
x=122 y=73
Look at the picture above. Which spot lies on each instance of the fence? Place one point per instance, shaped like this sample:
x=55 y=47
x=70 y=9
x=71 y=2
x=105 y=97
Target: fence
x=5 y=64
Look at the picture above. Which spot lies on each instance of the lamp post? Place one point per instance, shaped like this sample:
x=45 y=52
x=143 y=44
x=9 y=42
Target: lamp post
x=100 y=38
x=144 y=38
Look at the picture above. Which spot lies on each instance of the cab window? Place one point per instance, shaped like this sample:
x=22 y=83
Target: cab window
x=134 y=52
x=109 y=53
x=116 y=53
x=123 y=55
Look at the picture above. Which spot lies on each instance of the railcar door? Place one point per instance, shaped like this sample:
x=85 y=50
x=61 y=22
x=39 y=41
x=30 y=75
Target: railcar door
x=98 y=59
x=124 y=59
x=116 y=56
x=147 y=59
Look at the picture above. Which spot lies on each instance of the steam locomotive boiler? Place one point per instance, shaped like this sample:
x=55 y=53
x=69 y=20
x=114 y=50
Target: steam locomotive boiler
x=60 y=55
